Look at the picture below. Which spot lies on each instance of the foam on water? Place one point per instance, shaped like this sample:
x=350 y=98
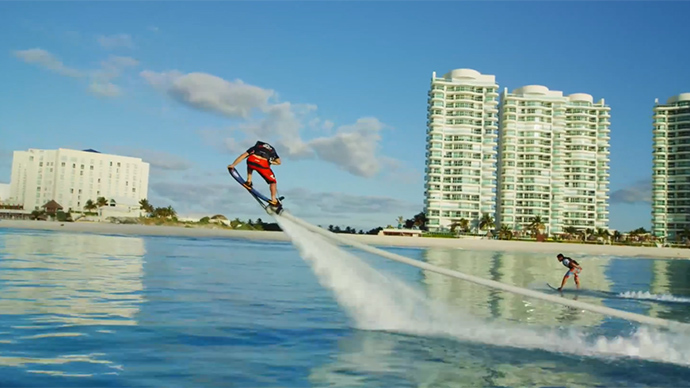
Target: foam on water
x=376 y=301
x=646 y=295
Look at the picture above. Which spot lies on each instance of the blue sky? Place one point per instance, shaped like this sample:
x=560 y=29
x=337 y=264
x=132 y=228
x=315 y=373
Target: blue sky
x=338 y=87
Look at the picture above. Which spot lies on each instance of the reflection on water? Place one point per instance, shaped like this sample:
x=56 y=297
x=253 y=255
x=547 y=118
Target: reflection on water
x=382 y=359
x=77 y=279
x=58 y=289
x=520 y=269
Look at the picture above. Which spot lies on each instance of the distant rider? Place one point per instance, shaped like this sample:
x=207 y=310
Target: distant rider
x=573 y=268
x=261 y=157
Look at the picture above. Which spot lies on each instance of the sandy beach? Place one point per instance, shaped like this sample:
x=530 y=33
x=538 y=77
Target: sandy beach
x=379 y=241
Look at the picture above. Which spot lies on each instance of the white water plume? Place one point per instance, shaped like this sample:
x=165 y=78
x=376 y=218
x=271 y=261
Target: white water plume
x=379 y=302
x=646 y=295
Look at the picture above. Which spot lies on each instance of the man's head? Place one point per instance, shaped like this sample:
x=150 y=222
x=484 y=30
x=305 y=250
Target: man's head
x=560 y=257
x=263 y=144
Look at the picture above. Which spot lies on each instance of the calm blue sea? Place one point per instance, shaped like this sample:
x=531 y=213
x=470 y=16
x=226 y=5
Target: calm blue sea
x=88 y=310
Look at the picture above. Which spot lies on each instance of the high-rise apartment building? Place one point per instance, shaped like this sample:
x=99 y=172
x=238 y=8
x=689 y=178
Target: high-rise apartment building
x=671 y=167
x=72 y=177
x=461 y=151
x=553 y=160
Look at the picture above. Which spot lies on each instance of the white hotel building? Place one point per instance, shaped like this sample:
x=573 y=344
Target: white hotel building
x=553 y=160
x=72 y=177
x=552 y=155
x=671 y=168
x=462 y=128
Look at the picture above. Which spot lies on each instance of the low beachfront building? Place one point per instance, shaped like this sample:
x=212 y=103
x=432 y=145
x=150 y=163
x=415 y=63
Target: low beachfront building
x=72 y=178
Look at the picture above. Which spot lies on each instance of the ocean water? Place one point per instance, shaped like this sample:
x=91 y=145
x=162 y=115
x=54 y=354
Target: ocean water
x=89 y=310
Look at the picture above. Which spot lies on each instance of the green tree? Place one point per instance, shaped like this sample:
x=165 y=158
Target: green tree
x=486 y=222
x=89 y=205
x=145 y=206
x=505 y=233
x=537 y=225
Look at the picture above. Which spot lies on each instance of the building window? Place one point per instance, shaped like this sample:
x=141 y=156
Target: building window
x=134 y=189
x=63 y=164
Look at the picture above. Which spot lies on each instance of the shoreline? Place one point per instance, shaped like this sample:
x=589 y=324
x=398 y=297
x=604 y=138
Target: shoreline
x=373 y=240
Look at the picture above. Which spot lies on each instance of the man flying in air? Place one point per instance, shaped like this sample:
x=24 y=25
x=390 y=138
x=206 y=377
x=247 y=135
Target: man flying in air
x=261 y=156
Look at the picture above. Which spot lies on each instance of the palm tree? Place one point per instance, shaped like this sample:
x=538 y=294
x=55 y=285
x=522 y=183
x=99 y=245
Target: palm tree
x=603 y=233
x=145 y=206
x=505 y=233
x=420 y=221
x=464 y=224
x=617 y=236
x=684 y=236
x=453 y=226
x=536 y=225
x=89 y=205
x=486 y=222
x=401 y=220
x=101 y=201
x=171 y=212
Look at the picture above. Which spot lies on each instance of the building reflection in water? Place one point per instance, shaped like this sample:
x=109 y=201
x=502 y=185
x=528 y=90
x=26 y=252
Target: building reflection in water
x=77 y=279
x=378 y=359
x=670 y=279
x=526 y=270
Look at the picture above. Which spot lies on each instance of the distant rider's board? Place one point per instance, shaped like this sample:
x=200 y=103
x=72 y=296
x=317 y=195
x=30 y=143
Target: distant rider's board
x=553 y=288
x=260 y=198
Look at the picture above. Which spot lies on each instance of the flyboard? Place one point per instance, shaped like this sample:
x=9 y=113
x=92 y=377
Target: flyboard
x=552 y=287
x=260 y=198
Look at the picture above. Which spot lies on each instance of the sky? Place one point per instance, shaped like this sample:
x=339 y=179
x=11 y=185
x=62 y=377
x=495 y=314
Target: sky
x=339 y=88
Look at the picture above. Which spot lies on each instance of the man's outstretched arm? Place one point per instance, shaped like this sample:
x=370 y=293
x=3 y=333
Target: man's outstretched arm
x=238 y=160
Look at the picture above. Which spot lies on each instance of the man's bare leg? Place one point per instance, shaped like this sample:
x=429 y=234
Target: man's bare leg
x=565 y=279
x=249 y=176
x=274 y=190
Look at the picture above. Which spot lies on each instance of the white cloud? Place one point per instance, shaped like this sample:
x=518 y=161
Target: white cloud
x=105 y=89
x=157 y=159
x=637 y=192
x=100 y=80
x=117 y=40
x=353 y=148
x=210 y=93
x=112 y=68
x=46 y=60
